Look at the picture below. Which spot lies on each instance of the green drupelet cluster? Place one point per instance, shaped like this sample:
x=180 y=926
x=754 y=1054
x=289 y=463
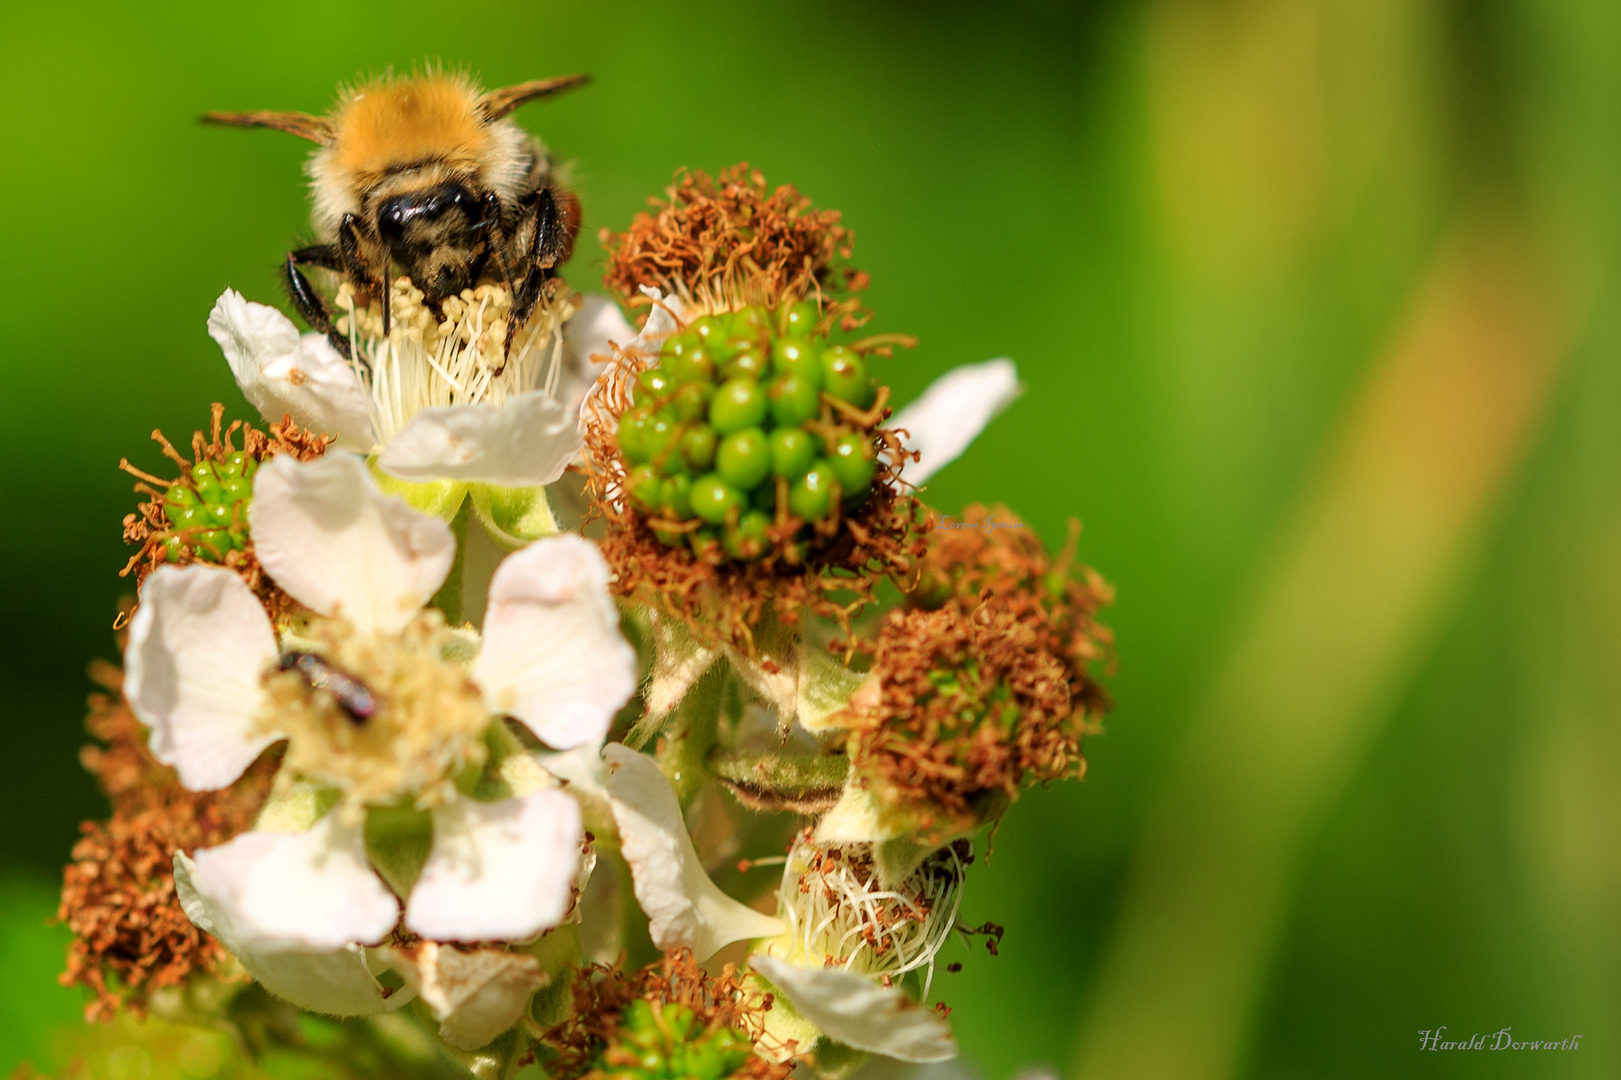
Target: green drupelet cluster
x=743 y=410
x=667 y=1042
x=208 y=510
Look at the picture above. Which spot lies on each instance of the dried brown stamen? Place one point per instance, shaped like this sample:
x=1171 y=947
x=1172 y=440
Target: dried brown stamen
x=118 y=895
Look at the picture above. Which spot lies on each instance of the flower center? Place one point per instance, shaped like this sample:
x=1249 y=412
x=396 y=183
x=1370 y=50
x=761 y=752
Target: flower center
x=424 y=362
x=381 y=717
x=839 y=915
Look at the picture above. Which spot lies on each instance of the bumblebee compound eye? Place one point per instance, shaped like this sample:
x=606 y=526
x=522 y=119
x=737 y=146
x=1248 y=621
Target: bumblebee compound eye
x=396 y=215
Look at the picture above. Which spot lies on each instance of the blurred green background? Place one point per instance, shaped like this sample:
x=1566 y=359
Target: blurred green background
x=1316 y=305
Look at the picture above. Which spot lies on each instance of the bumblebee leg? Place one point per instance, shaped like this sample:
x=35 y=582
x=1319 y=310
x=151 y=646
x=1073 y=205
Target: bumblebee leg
x=311 y=306
x=496 y=245
x=539 y=261
x=354 y=265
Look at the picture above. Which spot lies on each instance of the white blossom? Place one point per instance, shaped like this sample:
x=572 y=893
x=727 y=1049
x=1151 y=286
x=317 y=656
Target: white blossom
x=202 y=662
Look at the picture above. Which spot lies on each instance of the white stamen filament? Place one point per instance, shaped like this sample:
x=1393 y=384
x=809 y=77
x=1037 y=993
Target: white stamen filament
x=838 y=915
x=424 y=363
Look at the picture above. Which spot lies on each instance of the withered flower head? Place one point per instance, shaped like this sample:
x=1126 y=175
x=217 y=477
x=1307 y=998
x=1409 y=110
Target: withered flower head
x=118 y=894
x=202 y=515
x=669 y=1019
x=984 y=683
x=720 y=243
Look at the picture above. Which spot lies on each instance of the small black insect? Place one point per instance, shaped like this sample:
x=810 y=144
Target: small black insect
x=352 y=695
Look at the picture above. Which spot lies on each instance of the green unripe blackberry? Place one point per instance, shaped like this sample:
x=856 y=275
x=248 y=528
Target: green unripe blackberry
x=800 y=319
x=710 y=329
x=698 y=447
x=744 y=458
x=811 y=496
x=653 y=384
x=207 y=484
x=797 y=355
x=179 y=497
x=794 y=399
x=691 y=402
x=793 y=451
x=738 y=404
x=749 y=362
x=748 y=539
x=854 y=462
x=675 y=497
x=678 y=345
x=643 y=486
x=844 y=375
x=213 y=544
x=751 y=322
x=633 y=433
x=657 y=434
x=713 y=499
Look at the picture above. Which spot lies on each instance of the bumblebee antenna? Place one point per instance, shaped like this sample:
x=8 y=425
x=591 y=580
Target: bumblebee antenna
x=317 y=129
x=498 y=103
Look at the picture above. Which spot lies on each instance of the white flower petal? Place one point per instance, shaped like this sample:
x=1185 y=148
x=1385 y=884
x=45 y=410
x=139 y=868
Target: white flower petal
x=312 y=890
x=475 y=995
x=197 y=647
x=860 y=1013
x=526 y=442
x=336 y=981
x=324 y=533
x=553 y=655
x=498 y=871
x=952 y=412
x=684 y=906
x=281 y=373
x=593 y=331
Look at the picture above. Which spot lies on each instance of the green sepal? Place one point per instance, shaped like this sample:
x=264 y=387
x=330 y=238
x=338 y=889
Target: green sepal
x=513 y=516
x=295 y=807
x=497 y=1061
x=510 y=768
x=791 y=780
x=690 y=735
x=558 y=951
x=449 y=598
x=441 y=498
x=835 y=1061
x=825 y=687
x=398 y=839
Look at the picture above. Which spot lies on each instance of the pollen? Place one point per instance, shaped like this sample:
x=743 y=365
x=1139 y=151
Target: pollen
x=839 y=915
x=424 y=362
x=426 y=727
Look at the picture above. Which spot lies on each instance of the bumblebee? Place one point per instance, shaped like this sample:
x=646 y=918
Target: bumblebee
x=427 y=173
